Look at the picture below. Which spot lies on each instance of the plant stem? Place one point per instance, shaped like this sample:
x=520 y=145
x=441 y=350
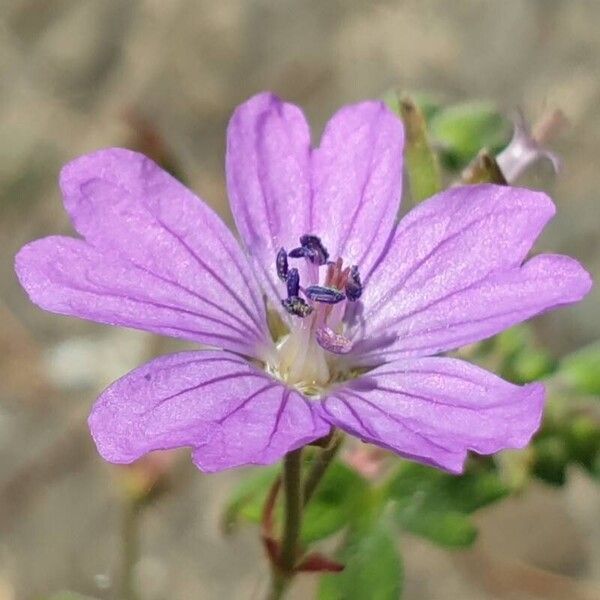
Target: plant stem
x=295 y=498
x=320 y=465
x=279 y=583
x=130 y=534
x=283 y=570
x=292 y=490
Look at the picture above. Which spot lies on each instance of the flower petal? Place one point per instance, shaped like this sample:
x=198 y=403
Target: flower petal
x=69 y=277
x=347 y=191
x=228 y=411
x=156 y=258
x=453 y=274
x=434 y=410
x=357 y=183
x=268 y=180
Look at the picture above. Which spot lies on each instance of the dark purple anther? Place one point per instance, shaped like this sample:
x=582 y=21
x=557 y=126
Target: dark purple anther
x=293 y=283
x=296 y=306
x=281 y=263
x=328 y=295
x=318 y=251
x=353 y=285
x=311 y=248
x=298 y=252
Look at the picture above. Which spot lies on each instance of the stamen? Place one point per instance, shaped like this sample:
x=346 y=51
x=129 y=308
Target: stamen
x=328 y=295
x=312 y=249
x=293 y=283
x=333 y=342
x=354 y=285
x=298 y=252
x=307 y=354
x=281 y=262
x=295 y=305
x=312 y=242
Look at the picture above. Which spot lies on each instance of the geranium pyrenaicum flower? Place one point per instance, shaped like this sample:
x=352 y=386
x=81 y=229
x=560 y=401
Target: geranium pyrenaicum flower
x=366 y=303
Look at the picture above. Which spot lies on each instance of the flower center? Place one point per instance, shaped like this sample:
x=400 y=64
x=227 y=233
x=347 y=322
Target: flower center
x=310 y=356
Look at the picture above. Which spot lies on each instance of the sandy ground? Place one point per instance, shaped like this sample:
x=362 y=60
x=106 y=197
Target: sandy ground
x=69 y=71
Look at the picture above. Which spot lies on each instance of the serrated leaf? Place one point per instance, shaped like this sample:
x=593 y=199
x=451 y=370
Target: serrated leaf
x=373 y=568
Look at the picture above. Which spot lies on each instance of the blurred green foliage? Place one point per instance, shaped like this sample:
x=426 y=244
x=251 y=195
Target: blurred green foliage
x=68 y=596
x=373 y=567
x=581 y=370
x=435 y=505
x=461 y=130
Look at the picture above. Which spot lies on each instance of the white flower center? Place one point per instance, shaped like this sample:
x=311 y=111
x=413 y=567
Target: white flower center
x=311 y=355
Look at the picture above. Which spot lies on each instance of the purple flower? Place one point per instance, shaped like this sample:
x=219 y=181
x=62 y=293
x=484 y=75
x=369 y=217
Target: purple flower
x=367 y=303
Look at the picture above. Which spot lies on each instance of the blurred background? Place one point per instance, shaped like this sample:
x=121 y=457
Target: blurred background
x=164 y=75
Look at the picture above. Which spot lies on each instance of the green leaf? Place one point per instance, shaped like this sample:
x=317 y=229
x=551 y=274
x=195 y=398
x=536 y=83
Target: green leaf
x=470 y=492
x=437 y=491
x=435 y=505
x=582 y=369
x=464 y=129
x=336 y=501
x=249 y=497
x=449 y=528
x=373 y=568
